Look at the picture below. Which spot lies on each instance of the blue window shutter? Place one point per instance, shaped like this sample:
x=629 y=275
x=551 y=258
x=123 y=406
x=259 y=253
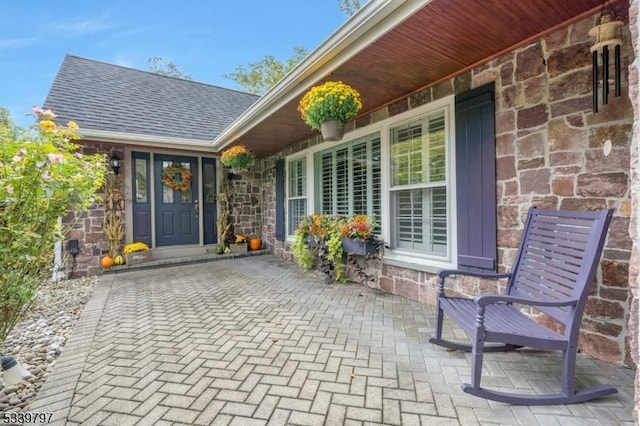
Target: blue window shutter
x=280 y=192
x=476 y=179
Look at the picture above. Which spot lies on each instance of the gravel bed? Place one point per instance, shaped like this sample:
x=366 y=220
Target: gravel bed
x=39 y=338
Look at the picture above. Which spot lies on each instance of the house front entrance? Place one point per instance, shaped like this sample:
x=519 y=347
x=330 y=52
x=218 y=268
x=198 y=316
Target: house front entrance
x=174 y=199
x=176 y=210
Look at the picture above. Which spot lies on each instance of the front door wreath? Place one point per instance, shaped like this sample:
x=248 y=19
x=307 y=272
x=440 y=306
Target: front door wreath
x=177 y=177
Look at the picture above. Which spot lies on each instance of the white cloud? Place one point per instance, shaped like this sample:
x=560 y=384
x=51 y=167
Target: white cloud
x=81 y=26
x=17 y=43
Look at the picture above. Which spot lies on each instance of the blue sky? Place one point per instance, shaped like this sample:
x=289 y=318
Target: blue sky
x=204 y=38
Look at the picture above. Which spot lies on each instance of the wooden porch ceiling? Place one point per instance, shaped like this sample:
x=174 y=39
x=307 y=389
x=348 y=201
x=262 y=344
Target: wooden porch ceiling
x=439 y=41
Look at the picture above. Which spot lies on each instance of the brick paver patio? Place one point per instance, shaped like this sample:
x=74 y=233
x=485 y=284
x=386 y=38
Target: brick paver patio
x=257 y=341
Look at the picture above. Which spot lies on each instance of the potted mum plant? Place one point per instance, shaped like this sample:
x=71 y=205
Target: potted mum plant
x=136 y=252
x=328 y=106
x=238 y=158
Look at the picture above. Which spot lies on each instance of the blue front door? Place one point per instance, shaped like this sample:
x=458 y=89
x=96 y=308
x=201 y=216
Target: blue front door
x=176 y=209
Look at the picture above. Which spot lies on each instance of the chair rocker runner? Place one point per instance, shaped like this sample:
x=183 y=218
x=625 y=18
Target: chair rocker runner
x=553 y=273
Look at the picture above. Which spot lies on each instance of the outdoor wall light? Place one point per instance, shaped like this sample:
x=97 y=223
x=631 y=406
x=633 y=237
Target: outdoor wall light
x=234 y=176
x=12 y=372
x=114 y=162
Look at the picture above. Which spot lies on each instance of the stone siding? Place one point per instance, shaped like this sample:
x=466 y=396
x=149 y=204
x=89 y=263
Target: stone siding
x=634 y=227
x=246 y=202
x=549 y=153
x=87 y=225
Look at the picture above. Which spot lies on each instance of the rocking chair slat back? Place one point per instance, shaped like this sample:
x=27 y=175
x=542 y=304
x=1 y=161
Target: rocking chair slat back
x=556 y=259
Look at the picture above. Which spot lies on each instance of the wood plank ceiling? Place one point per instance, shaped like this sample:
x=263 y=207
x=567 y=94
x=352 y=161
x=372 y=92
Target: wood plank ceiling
x=439 y=41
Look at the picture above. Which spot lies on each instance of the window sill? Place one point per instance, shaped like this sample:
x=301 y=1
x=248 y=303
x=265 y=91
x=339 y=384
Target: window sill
x=416 y=263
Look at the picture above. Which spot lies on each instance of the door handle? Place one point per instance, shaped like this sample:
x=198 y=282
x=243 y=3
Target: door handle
x=196 y=206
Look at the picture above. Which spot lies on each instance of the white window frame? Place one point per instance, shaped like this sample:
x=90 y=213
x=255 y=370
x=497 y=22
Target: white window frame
x=395 y=256
x=289 y=197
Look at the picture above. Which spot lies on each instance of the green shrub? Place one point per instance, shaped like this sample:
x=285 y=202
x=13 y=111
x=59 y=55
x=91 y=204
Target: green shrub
x=42 y=175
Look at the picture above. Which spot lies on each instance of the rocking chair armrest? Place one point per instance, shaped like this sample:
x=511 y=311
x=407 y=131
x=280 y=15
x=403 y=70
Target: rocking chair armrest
x=448 y=272
x=486 y=299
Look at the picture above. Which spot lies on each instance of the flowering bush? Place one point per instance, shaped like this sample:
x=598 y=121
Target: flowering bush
x=42 y=176
x=319 y=226
x=359 y=226
x=238 y=157
x=318 y=238
x=332 y=100
x=135 y=247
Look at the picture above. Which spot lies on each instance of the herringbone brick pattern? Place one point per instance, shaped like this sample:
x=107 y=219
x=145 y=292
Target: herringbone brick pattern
x=256 y=341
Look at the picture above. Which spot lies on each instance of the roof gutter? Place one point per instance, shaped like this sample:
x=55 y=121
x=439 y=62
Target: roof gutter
x=144 y=140
x=371 y=22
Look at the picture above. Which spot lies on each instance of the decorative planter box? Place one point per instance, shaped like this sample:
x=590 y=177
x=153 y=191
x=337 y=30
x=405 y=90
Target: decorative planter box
x=312 y=242
x=360 y=247
x=137 y=257
x=239 y=248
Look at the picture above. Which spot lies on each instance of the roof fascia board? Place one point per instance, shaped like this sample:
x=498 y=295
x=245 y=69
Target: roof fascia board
x=371 y=22
x=143 y=140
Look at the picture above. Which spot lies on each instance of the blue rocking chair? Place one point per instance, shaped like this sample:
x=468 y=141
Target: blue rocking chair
x=553 y=273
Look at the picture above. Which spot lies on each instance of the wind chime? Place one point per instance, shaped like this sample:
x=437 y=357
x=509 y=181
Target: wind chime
x=608 y=35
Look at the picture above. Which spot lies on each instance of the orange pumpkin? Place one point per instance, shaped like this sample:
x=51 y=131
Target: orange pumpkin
x=106 y=262
x=255 y=243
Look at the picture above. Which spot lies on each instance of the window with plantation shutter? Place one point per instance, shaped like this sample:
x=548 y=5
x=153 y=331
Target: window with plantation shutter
x=342 y=182
x=348 y=178
x=297 y=193
x=327 y=179
x=360 y=176
x=418 y=188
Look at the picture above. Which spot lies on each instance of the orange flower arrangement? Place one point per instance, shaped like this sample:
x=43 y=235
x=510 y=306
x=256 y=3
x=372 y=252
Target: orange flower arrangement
x=359 y=226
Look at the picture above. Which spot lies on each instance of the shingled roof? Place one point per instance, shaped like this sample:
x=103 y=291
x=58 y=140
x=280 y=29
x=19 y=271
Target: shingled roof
x=113 y=98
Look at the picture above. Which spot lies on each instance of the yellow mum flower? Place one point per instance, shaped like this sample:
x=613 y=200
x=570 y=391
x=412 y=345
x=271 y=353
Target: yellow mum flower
x=48 y=125
x=238 y=156
x=72 y=125
x=332 y=100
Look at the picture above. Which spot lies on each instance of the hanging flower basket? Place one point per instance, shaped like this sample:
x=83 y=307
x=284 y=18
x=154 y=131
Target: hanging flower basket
x=238 y=158
x=177 y=177
x=332 y=130
x=332 y=100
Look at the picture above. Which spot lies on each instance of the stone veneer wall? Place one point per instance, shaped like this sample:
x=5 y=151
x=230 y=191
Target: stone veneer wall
x=246 y=202
x=634 y=228
x=549 y=153
x=87 y=225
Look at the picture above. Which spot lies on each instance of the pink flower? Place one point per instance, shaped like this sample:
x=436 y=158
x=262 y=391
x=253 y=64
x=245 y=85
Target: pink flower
x=43 y=113
x=20 y=155
x=55 y=158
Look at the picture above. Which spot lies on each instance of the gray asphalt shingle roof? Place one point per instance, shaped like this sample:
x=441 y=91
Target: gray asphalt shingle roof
x=107 y=97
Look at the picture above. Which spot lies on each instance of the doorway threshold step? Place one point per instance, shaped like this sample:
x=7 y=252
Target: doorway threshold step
x=185 y=260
